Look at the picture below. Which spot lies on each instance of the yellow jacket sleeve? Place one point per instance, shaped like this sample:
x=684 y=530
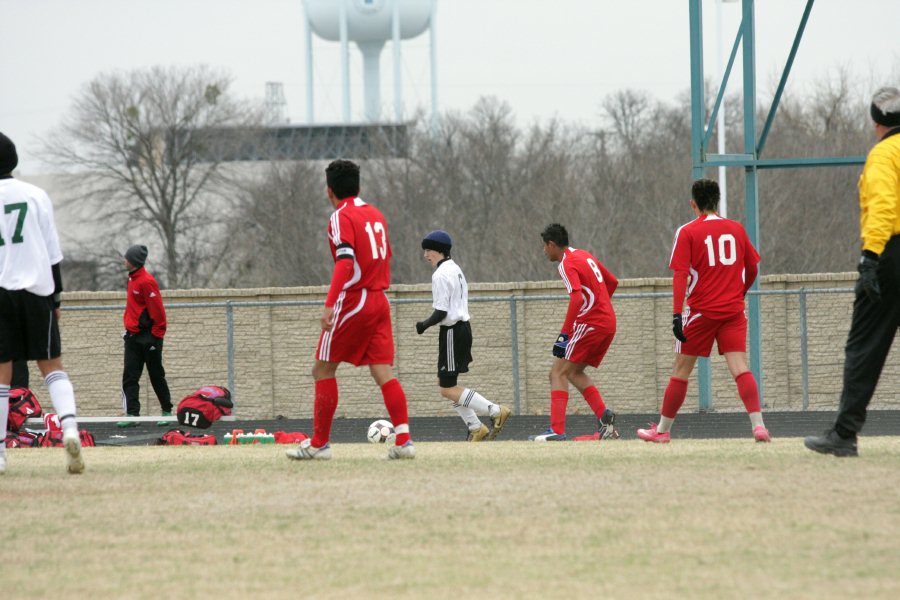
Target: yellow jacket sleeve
x=879 y=195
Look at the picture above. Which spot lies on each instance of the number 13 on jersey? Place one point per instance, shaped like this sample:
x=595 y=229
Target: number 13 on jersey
x=377 y=249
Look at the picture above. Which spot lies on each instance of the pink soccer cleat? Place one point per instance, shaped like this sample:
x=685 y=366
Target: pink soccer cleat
x=651 y=435
x=761 y=434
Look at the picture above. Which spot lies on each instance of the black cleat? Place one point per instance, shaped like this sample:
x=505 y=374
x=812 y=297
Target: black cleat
x=606 y=425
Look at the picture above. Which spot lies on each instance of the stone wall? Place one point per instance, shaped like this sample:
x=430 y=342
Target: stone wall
x=274 y=347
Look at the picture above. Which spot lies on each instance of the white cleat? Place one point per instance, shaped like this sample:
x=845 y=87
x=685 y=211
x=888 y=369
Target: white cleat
x=74 y=461
x=306 y=451
x=2 y=463
x=407 y=450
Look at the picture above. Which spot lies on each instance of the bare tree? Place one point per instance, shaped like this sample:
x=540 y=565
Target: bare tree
x=283 y=216
x=146 y=150
x=621 y=187
x=807 y=215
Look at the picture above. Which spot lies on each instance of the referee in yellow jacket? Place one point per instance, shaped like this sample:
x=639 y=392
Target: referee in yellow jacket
x=876 y=310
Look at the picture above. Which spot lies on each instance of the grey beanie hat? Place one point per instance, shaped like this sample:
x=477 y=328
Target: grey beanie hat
x=136 y=255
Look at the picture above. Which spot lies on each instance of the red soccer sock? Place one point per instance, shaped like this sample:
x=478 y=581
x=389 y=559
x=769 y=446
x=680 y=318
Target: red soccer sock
x=395 y=402
x=748 y=391
x=325 y=405
x=594 y=400
x=674 y=397
x=559 y=400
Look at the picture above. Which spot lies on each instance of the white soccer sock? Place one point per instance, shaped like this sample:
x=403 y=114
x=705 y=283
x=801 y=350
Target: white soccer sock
x=4 y=415
x=468 y=416
x=478 y=403
x=756 y=420
x=63 y=397
x=665 y=424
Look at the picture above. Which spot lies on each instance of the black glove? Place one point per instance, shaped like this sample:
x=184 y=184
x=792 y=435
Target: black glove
x=436 y=317
x=868 y=277
x=676 y=328
x=559 y=346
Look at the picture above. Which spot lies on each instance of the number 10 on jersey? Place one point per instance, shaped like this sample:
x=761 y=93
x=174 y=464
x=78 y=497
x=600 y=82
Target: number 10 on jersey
x=727 y=248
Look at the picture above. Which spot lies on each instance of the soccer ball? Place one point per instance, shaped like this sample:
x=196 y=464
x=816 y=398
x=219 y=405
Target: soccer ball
x=380 y=431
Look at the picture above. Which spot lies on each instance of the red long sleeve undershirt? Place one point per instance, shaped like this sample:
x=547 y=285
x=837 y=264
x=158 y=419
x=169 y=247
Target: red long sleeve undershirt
x=679 y=289
x=575 y=302
x=750 y=272
x=343 y=271
x=609 y=280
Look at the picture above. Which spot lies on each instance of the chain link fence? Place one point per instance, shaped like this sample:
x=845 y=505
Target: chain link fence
x=263 y=350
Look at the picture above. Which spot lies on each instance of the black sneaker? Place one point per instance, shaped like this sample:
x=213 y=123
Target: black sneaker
x=547 y=436
x=831 y=443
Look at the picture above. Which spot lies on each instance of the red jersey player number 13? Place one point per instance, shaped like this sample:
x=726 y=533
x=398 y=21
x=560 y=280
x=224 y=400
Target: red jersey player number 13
x=356 y=320
x=358 y=231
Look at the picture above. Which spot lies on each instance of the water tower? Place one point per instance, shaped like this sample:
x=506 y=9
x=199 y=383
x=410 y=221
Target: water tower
x=369 y=23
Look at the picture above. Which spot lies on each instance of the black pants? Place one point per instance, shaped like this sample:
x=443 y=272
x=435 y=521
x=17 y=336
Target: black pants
x=869 y=341
x=143 y=349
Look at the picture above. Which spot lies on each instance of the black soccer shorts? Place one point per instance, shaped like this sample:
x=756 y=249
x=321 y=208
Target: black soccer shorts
x=28 y=327
x=454 y=352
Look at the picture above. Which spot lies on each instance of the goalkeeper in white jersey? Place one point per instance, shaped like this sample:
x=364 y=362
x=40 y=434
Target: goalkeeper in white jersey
x=450 y=295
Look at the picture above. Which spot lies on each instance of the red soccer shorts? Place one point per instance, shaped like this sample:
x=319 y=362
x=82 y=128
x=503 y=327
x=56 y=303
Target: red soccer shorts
x=361 y=334
x=588 y=344
x=730 y=334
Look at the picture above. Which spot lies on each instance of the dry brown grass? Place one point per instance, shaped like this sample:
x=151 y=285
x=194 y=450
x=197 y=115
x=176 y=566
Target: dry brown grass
x=696 y=519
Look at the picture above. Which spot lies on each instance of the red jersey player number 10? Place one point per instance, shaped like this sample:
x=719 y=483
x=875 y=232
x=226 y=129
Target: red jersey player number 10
x=721 y=262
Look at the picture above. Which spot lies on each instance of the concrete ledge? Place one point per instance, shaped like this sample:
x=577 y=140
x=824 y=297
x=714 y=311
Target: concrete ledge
x=158 y=419
x=715 y=425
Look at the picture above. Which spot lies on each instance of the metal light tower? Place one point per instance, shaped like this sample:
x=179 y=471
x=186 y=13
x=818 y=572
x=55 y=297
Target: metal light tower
x=720 y=123
x=368 y=23
x=276 y=105
x=751 y=158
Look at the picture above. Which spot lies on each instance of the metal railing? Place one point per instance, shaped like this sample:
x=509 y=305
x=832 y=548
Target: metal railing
x=513 y=301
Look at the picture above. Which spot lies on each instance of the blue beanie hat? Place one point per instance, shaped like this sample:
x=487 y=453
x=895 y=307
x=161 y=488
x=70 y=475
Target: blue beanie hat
x=439 y=241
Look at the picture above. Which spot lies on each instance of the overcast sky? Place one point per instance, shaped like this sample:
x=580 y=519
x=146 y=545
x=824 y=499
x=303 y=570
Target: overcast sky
x=545 y=59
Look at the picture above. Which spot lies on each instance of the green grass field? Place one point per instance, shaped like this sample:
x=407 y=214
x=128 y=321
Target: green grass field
x=695 y=519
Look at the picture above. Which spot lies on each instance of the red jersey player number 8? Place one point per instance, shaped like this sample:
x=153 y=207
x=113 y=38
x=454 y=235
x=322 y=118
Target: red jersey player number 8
x=377 y=249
